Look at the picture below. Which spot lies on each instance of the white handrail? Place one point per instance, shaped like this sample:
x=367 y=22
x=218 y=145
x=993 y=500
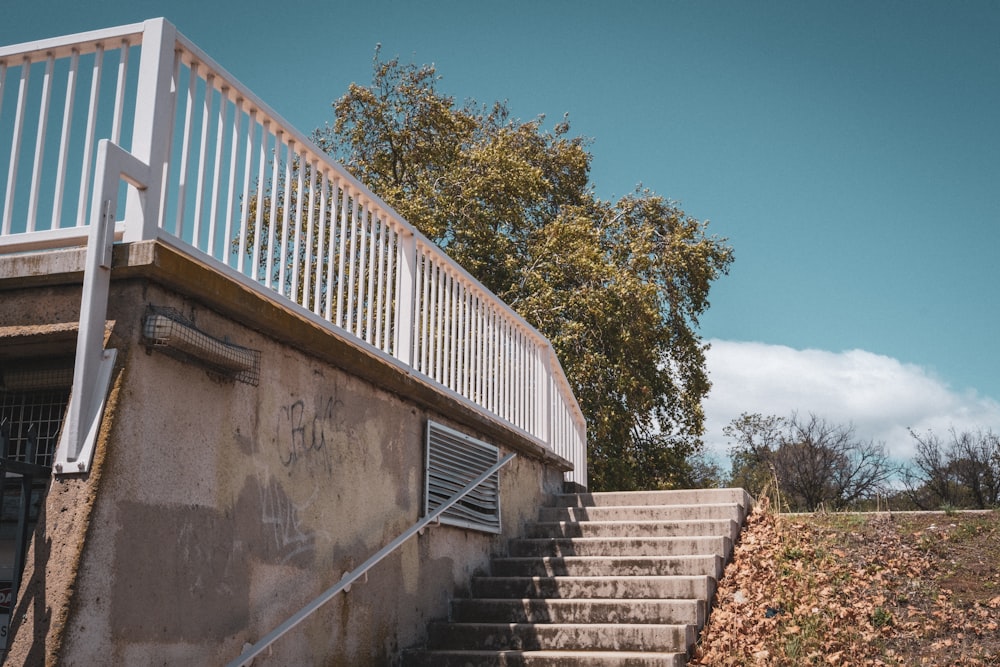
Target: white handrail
x=350 y=577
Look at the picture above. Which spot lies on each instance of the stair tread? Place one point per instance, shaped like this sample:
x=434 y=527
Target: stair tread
x=528 y=624
x=545 y=652
x=596 y=577
x=619 y=522
x=558 y=657
x=642 y=559
x=632 y=538
x=557 y=601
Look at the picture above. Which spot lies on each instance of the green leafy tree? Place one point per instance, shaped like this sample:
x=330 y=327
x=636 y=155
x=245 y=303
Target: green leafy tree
x=617 y=286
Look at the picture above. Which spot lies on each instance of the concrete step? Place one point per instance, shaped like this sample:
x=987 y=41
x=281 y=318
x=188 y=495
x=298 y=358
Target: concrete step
x=631 y=498
x=658 y=588
x=642 y=513
x=622 y=566
x=696 y=528
x=561 y=636
x=543 y=659
x=622 y=546
x=536 y=610
x=610 y=579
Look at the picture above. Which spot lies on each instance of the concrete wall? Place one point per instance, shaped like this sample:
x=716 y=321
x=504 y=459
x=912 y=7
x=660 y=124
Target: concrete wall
x=216 y=509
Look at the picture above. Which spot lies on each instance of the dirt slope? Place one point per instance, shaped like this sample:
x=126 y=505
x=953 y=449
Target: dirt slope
x=859 y=589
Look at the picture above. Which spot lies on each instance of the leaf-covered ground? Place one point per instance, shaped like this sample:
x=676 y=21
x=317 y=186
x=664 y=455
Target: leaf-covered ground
x=859 y=589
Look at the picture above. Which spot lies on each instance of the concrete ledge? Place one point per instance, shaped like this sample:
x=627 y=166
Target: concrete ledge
x=234 y=295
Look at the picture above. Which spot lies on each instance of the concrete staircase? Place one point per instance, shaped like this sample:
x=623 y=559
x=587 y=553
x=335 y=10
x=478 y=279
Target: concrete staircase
x=605 y=579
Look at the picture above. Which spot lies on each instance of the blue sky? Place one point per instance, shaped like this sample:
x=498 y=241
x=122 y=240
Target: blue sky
x=850 y=152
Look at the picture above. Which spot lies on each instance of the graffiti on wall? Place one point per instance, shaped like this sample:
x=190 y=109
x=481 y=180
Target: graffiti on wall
x=306 y=433
x=280 y=516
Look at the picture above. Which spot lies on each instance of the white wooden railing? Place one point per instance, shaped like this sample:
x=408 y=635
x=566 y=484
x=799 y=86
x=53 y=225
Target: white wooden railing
x=234 y=184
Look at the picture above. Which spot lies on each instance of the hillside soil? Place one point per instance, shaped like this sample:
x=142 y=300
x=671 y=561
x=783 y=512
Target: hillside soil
x=859 y=589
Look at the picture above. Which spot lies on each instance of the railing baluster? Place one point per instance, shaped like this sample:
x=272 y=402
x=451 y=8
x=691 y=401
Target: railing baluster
x=380 y=292
x=515 y=377
x=425 y=312
x=43 y=124
x=449 y=327
x=440 y=330
x=286 y=220
x=503 y=399
x=15 y=149
x=391 y=294
x=331 y=281
x=518 y=380
x=297 y=246
x=227 y=234
x=509 y=372
x=435 y=322
x=95 y=86
x=485 y=373
x=60 y=187
x=372 y=268
x=513 y=374
x=481 y=351
x=466 y=308
x=442 y=325
x=182 y=179
x=524 y=375
x=456 y=334
x=307 y=270
x=273 y=217
x=494 y=359
x=350 y=314
x=116 y=127
x=428 y=323
x=220 y=137
x=245 y=208
x=258 y=232
x=342 y=257
x=406 y=313
x=199 y=188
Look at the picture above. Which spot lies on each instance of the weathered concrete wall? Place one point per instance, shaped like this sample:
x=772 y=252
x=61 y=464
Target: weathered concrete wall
x=217 y=509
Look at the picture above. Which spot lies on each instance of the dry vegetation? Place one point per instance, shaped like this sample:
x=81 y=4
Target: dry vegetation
x=859 y=589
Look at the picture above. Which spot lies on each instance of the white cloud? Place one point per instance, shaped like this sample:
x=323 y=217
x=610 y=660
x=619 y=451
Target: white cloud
x=881 y=396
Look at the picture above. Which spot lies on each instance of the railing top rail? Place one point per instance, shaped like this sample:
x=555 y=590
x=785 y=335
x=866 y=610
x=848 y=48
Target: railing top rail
x=82 y=42
x=236 y=91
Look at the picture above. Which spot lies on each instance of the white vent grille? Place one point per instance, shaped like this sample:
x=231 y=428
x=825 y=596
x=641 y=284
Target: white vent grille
x=453 y=461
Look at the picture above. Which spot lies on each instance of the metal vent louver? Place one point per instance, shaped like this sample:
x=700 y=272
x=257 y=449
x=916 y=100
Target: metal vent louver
x=453 y=460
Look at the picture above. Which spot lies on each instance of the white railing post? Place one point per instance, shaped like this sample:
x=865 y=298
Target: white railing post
x=406 y=265
x=93 y=366
x=153 y=126
x=545 y=430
